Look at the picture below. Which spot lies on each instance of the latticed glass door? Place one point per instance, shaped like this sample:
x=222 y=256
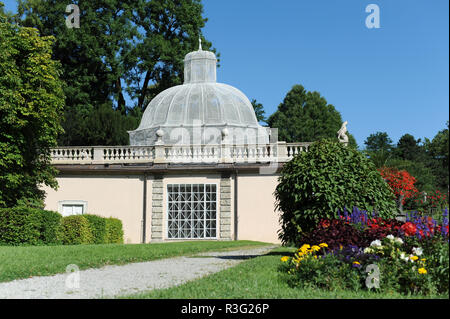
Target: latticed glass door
x=192 y=211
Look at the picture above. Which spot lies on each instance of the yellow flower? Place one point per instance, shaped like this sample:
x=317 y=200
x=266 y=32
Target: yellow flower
x=304 y=248
x=422 y=271
x=423 y=259
x=413 y=258
x=323 y=245
x=356 y=263
x=302 y=253
x=284 y=258
x=315 y=248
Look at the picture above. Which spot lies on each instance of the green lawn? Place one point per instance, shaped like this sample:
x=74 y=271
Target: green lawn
x=24 y=262
x=256 y=278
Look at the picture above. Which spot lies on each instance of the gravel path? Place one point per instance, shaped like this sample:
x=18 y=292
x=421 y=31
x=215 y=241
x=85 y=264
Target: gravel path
x=111 y=281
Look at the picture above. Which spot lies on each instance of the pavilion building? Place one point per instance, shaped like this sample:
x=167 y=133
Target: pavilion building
x=199 y=166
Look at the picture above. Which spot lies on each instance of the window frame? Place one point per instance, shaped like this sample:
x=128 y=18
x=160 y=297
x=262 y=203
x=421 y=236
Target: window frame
x=63 y=203
x=166 y=215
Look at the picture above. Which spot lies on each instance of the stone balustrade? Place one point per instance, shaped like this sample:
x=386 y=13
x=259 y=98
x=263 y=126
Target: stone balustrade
x=220 y=153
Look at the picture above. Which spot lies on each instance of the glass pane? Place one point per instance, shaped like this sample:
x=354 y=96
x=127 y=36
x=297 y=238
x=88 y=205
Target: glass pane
x=191 y=214
x=67 y=210
x=78 y=209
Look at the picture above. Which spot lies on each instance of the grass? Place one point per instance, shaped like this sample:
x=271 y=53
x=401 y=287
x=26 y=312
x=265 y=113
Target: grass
x=258 y=278
x=18 y=262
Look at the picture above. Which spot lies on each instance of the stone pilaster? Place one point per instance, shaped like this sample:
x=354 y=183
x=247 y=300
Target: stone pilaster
x=157 y=209
x=225 y=208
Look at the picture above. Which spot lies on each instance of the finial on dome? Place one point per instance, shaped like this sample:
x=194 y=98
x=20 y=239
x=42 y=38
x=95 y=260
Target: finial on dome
x=199 y=44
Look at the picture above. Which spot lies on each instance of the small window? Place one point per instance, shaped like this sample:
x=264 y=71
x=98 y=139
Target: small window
x=69 y=208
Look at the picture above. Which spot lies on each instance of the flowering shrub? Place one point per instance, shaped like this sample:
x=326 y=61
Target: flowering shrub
x=409 y=229
x=356 y=229
x=335 y=233
x=313 y=267
x=434 y=200
x=303 y=198
x=437 y=200
x=411 y=256
x=425 y=226
x=401 y=182
x=347 y=268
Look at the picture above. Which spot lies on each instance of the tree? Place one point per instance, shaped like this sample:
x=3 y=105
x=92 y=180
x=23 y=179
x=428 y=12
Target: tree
x=328 y=178
x=124 y=53
x=425 y=180
x=378 y=141
x=401 y=183
x=8 y=16
x=108 y=126
x=408 y=148
x=31 y=104
x=437 y=149
x=379 y=158
x=259 y=111
x=306 y=117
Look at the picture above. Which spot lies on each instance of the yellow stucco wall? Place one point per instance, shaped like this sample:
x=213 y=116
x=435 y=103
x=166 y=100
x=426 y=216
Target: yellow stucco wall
x=107 y=196
x=122 y=197
x=256 y=208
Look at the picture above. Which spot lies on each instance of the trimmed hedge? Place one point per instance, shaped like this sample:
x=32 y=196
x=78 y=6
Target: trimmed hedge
x=75 y=230
x=114 y=231
x=28 y=226
x=98 y=228
x=23 y=225
x=50 y=227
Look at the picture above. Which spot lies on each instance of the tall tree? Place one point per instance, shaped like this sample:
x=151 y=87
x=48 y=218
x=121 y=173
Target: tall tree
x=31 y=104
x=7 y=16
x=437 y=149
x=408 y=148
x=124 y=53
x=306 y=117
x=378 y=141
x=259 y=111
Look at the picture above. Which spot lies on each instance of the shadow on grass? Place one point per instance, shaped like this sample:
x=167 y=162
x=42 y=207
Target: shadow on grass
x=279 y=253
x=244 y=257
x=229 y=257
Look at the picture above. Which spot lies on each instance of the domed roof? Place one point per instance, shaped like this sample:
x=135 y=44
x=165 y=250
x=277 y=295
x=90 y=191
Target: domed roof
x=204 y=103
x=199 y=102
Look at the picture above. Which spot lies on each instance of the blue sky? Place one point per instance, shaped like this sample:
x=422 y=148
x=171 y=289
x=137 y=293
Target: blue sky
x=393 y=79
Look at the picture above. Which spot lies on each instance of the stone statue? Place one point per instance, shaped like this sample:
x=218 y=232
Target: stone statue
x=342 y=137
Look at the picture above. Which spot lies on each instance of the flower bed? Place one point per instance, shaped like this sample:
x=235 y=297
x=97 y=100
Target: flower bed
x=362 y=251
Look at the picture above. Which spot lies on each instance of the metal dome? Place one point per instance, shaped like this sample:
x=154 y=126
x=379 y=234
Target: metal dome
x=199 y=111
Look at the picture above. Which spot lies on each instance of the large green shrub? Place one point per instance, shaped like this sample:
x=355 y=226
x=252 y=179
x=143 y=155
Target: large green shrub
x=114 y=231
x=329 y=177
x=28 y=226
x=97 y=225
x=19 y=225
x=75 y=230
x=49 y=227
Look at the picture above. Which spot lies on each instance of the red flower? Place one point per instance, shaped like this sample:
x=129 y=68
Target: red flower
x=401 y=182
x=409 y=229
x=324 y=223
